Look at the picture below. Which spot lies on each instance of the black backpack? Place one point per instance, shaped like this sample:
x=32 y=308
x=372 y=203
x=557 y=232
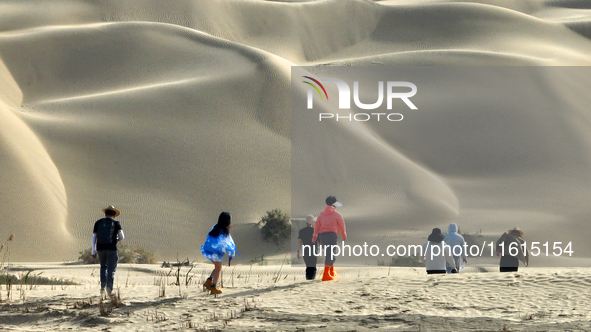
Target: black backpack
x=105 y=231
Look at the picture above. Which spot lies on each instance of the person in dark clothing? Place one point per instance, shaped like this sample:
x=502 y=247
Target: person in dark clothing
x=105 y=235
x=510 y=248
x=306 y=247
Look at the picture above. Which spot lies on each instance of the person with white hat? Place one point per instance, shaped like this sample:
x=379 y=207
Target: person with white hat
x=106 y=233
x=511 y=249
x=306 y=247
x=328 y=224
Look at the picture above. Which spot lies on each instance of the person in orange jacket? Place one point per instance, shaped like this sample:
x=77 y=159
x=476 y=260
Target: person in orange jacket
x=328 y=224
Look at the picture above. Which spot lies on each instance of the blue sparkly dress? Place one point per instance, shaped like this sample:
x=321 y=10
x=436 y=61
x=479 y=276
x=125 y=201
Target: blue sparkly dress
x=215 y=248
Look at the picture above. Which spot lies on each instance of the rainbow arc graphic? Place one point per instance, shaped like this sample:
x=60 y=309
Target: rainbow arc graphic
x=316 y=87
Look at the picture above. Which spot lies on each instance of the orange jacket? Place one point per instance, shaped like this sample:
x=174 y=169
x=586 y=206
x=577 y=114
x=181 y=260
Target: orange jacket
x=329 y=220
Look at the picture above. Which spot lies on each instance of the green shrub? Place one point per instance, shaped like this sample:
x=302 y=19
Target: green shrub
x=276 y=226
x=407 y=261
x=29 y=279
x=412 y=261
x=4 y=247
x=126 y=255
x=86 y=257
x=260 y=260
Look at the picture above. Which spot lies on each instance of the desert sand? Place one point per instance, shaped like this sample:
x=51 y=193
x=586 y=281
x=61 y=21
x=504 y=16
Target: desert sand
x=275 y=298
x=176 y=111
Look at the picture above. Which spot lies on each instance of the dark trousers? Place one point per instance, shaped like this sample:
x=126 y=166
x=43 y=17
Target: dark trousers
x=108 y=260
x=509 y=268
x=310 y=266
x=509 y=264
x=328 y=240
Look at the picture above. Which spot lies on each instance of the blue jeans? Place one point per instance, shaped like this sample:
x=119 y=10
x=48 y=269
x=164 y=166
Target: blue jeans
x=108 y=260
x=458 y=260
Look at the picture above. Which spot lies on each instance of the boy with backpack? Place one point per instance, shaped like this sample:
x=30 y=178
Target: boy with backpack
x=107 y=232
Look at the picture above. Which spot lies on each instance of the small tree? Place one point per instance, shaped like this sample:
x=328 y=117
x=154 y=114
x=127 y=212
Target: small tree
x=127 y=254
x=276 y=226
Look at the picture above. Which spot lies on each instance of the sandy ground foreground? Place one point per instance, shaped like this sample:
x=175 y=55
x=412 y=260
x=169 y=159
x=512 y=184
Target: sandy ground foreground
x=273 y=298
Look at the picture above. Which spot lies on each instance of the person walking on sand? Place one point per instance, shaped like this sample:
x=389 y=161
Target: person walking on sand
x=510 y=246
x=436 y=253
x=328 y=224
x=218 y=243
x=106 y=234
x=456 y=242
x=306 y=247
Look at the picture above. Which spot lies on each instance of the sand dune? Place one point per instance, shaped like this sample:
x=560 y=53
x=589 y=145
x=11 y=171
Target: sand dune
x=148 y=140
x=176 y=112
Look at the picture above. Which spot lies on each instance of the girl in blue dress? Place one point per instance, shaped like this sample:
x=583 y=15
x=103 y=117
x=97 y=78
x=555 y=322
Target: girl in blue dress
x=218 y=243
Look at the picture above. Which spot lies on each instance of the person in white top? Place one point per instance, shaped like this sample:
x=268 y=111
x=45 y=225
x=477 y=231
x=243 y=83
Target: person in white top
x=458 y=249
x=436 y=253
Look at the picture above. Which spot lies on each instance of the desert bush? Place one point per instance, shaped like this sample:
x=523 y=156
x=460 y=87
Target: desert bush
x=136 y=255
x=408 y=261
x=5 y=278
x=413 y=261
x=29 y=279
x=4 y=247
x=127 y=254
x=86 y=257
x=5 y=252
x=260 y=260
x=276 y=226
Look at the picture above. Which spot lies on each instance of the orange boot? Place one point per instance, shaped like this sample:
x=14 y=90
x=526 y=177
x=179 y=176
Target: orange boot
x=332 y=272
x=207 y=285
x=326 y=276
x=215 y=290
